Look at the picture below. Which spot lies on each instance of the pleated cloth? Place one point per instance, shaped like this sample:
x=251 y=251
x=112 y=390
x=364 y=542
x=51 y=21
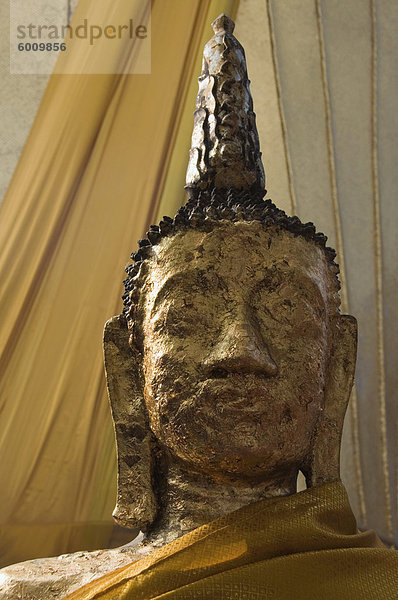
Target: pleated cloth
x=297 y=547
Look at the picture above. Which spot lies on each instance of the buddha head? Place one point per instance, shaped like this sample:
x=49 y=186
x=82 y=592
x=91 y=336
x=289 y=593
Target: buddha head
x=231 y=356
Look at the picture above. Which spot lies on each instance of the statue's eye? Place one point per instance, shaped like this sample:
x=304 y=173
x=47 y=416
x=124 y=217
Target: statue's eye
x=278 y=308
x=189 y=316
x=180 y=318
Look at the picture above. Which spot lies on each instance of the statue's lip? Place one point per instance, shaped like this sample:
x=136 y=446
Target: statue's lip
x=224 y=375
x=249 y=391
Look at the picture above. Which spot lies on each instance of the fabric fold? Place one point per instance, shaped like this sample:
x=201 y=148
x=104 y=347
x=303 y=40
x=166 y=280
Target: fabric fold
x=304 y=546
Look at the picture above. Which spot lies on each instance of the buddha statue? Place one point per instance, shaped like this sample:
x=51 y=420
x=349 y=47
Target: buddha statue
x=229 y=371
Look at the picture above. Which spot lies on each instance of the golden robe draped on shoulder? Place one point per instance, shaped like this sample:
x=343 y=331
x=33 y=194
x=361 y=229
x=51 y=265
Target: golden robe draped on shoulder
x=302 y=547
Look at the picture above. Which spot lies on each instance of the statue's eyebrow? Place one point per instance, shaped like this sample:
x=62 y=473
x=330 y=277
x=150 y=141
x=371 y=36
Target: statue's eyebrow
x=309 y=282
x=172 y=282
x=297 y=276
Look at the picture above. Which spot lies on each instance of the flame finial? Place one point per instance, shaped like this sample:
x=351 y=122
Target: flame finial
x=225 y=149
x=223 y=23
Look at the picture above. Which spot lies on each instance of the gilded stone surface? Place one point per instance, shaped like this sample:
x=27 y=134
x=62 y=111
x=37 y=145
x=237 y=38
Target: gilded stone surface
x=246 y=367
x=235 y=331
x=136 y=504
x=231 y=367
x=237 y=374
x=225 y=150
x=54 y=578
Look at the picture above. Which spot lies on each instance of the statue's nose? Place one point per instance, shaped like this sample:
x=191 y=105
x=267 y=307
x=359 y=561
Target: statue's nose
x=240 y=349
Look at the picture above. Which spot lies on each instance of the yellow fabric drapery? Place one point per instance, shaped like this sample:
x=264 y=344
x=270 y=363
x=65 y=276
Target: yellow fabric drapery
x=88 y=183
x=301 y=546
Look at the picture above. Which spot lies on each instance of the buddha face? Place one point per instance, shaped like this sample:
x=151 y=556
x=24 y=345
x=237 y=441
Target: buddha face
x=235 y=344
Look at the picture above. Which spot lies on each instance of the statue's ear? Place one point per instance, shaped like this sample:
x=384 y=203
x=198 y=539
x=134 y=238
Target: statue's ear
x=136 y=503
x=323 y=463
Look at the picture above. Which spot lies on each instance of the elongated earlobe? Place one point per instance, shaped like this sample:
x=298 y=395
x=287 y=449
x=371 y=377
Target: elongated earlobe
x=323 y=463
x=136 y=503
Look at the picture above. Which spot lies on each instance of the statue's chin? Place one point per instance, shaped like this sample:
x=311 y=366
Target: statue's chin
x=248 y=427
x=238 y=454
